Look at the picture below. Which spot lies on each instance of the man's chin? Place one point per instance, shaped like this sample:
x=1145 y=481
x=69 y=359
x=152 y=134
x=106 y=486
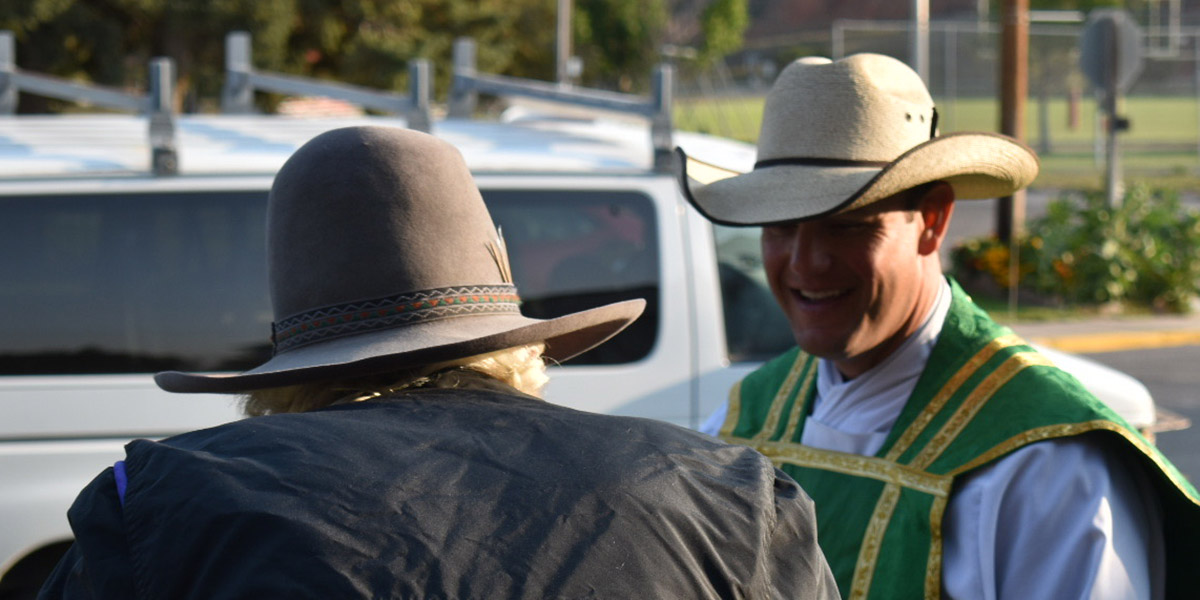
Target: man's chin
x=820 y=347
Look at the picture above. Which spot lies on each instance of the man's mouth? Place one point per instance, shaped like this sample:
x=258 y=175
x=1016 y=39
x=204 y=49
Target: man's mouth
x=820 y=295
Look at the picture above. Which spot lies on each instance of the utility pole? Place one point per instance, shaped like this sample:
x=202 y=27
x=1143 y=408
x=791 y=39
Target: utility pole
x=563 y=41
x=919 y=42
x=1014 y=87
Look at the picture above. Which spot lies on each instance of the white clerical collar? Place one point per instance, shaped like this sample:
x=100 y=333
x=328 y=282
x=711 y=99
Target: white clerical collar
x=856 y=415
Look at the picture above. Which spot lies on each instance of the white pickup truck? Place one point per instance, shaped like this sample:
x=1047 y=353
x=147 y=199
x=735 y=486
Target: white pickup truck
x=109 y=273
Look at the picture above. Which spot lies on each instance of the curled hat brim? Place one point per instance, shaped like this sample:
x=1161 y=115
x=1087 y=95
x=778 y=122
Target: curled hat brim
x=424 y=343
x=976 y=165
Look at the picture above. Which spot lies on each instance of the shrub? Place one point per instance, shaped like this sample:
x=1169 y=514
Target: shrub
x=1145 y=252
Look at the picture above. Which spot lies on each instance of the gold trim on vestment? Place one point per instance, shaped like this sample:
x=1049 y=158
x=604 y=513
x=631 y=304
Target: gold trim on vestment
x=933 y=570
x=974 y=403
x=733 y=412
x=781 y=397
x=1070 y=429
x=948 y=390
x=868 y=553
x=896 y=477
x=871 y=467
x=798 y=406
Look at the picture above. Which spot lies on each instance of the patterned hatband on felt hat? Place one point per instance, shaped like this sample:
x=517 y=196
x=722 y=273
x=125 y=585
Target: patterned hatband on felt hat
x=382 y=256
x=839 y=135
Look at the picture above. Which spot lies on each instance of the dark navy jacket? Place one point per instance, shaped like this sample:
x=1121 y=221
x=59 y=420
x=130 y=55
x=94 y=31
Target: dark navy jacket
x=474 y=491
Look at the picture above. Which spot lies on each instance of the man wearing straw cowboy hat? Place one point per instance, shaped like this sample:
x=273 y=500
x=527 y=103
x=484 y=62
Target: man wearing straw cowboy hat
x=402 y=451
x=945 y=455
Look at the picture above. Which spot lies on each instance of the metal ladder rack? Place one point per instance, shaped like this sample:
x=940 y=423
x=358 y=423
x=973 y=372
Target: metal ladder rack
x=468 y=83
x=157 y=104
x=241 y=80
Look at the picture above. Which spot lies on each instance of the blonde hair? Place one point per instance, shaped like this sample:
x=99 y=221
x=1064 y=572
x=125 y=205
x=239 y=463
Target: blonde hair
x=521 y=367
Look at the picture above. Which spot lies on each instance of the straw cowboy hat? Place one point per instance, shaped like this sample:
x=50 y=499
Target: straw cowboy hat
x=839 y=135
x=381 y=256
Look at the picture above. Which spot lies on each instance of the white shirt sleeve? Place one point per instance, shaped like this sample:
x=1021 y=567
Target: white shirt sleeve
x=712 y=425
x=1062 y=519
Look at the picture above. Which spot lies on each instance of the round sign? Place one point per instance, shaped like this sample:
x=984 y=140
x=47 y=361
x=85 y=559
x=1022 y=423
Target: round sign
x=1110 y=49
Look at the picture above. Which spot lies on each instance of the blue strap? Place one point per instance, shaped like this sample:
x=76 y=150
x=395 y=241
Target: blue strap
x=122 y=480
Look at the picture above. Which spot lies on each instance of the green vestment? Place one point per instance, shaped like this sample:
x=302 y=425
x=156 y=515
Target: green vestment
x=983 y=393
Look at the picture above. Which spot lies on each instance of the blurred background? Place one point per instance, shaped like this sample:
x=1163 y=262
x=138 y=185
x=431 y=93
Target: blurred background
x=725 y=52
x=1110 y=229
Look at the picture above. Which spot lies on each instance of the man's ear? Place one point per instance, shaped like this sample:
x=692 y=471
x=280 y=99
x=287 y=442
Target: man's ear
x=936 y=208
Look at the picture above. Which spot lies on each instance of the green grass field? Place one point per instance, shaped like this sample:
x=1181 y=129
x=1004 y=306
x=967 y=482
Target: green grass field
x=1159 y=149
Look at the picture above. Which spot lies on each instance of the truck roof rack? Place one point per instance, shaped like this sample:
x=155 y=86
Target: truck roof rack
x=468 y=83
x=242 y=79
x=157 y=103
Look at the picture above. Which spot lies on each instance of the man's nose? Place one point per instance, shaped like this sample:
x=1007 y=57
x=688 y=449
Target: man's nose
x=810 y=252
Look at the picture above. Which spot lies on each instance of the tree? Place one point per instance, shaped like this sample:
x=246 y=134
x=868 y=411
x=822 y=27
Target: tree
x=371 y=43
x=619 y=40
x=111 y=41
x=368 y=42
x=724 y=23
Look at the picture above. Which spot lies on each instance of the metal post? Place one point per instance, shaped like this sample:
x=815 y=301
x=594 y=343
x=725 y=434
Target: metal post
x=237 y=97
x=1173 y=29
x=838 y=41
x=160 y=106
x=1043 y=112
x=1098 y=130
x=418 y=84
x=1114 y=186
x=661 y=123
x=1196 y=70
x=8 y=66
x=1014 y=87
x=462 y=96
x=919 y=53
x=950 y=85
x=562 y=48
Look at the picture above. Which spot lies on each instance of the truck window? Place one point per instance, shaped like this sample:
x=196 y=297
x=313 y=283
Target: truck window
x=132 y=283
x=755 y=328
x=573 y=250
x=144 y=282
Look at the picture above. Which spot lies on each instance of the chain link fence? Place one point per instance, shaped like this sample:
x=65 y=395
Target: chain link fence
x=1062 y=118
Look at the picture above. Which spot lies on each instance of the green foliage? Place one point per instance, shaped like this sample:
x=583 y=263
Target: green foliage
x=370 y=43
x=724 y=22
x=985 y=263
x=72 y=41
x=735 y=118
x=366 y=42
x=619 y=40
x=1145 y=252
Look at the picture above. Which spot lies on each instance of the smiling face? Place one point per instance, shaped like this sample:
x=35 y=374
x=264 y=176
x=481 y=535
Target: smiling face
x=855 y=285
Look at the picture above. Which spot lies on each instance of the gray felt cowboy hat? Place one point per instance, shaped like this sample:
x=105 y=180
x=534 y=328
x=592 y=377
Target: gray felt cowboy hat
x=839 y=135
x=382 y=256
